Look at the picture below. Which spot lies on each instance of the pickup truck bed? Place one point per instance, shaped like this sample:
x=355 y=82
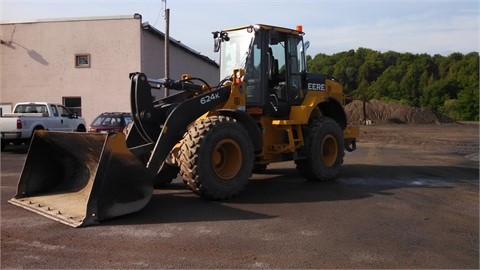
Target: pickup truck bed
x=18 y=127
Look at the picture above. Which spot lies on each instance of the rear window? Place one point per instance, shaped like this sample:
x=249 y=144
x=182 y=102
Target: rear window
x=31 y=108
x=110 y=121
x=128 y=119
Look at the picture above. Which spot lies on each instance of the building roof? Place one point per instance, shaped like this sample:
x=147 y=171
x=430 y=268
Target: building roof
x=72 y=19
x=146 y=26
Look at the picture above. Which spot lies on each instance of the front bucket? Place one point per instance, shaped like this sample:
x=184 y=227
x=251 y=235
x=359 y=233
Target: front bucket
x=80 y=179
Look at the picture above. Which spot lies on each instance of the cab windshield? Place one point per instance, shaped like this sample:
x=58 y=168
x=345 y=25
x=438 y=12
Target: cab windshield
x=234 y=52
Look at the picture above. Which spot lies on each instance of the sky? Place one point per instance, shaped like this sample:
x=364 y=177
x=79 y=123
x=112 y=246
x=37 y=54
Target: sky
x=332 y=26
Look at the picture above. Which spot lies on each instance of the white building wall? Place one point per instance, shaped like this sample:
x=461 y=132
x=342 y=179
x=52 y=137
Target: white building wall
x=37 y=61
x=192 y=65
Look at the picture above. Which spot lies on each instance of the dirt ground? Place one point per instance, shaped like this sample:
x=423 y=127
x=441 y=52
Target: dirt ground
x=408 y=197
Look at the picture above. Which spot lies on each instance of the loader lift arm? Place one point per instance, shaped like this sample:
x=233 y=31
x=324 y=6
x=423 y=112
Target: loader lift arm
x=159 y=125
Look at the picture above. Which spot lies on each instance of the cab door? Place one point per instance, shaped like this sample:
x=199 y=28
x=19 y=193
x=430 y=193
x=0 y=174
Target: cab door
x=68 y=121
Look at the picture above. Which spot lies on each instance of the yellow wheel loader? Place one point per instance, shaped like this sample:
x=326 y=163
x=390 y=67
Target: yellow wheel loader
x=266 y=108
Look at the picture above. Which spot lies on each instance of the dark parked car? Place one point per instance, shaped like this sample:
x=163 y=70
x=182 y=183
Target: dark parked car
x=110 y=121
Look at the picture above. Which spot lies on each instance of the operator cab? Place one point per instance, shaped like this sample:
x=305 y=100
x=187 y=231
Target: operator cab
x=274 y=63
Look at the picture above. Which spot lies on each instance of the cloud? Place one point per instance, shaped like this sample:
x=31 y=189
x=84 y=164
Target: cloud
x=417 y=26
x=421 y=34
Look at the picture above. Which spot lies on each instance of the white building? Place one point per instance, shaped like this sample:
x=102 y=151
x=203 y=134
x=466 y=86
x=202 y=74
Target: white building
x=85 y=63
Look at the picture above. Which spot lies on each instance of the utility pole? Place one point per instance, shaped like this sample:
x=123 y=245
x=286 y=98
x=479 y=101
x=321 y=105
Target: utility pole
x=167 y=43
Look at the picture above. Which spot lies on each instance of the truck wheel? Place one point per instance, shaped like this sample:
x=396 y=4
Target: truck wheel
x=216 y=158
x=81 y=128
x=29 y=140
x=324 y=149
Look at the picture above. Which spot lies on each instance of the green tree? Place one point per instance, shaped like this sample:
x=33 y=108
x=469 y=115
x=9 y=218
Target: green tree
x=449 y=84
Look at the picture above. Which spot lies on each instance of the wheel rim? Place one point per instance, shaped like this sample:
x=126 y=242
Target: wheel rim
x=227 y=159
x=329 y=150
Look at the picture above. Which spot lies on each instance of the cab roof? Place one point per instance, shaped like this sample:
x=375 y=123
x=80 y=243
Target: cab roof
x=268 y=27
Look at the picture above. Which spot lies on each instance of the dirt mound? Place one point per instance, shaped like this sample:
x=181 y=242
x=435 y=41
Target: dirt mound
x=389 y=112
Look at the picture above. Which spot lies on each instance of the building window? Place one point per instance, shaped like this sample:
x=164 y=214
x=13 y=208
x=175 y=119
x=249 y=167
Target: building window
x=82 y=60
x=73 y=104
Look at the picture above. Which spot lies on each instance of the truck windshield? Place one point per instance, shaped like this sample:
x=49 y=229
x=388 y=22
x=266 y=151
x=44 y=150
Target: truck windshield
x=235 y=51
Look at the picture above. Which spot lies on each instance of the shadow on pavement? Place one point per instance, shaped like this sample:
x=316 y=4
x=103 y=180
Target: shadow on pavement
x=16 y=149
x=285 y=186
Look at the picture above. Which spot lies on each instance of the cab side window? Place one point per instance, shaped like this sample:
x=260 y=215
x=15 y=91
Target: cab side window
x=64 y=112
x=297 y=67
x=54 y=110
x=253 y=73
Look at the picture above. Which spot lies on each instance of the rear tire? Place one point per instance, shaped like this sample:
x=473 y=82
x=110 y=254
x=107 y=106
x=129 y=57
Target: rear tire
x=81 y=128
x=324 y=149
x=29 y=140
x=216 y=158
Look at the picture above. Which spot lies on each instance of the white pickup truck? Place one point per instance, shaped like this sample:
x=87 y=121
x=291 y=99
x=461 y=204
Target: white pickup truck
x=19 y=126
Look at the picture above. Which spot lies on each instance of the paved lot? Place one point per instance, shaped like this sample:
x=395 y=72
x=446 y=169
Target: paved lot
x=407 y=198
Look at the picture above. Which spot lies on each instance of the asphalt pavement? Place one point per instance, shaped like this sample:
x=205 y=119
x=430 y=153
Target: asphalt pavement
x=391 y=207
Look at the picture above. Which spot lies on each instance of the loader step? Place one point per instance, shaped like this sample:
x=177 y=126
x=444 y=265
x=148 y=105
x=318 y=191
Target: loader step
x=286 y=122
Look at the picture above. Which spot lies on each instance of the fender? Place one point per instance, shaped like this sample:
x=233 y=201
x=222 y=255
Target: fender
x=333 y=109
x=249 y=124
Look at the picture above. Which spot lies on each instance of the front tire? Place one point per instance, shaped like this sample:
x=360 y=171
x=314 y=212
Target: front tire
x=216 y=158
x=324 y=149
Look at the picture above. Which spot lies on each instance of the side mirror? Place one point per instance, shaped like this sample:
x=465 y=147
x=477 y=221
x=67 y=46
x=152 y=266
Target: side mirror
x=218 y=38
x=216 y=45
x=306 y=45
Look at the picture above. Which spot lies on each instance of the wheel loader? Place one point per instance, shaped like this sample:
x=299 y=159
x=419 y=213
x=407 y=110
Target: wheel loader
x=266 y=108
